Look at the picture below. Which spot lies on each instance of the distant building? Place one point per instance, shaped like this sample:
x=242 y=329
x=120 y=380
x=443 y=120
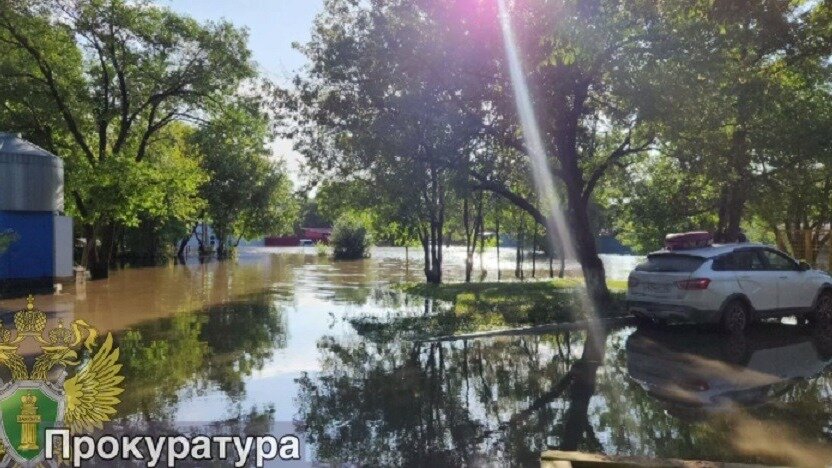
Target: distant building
x=315 y=235
x=209 y=240
x=31 y=215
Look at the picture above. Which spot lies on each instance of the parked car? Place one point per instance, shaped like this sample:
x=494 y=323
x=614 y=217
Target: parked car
x=693 y=374
x=731 y=284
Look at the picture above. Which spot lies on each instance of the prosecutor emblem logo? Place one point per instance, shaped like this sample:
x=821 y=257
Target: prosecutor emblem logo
x=72 y=383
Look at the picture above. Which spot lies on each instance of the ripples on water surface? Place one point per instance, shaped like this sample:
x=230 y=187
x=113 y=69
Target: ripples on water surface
x=268 y=336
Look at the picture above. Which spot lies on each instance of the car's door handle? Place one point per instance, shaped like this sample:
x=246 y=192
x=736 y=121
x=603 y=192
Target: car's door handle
x=783 y=277
x=745 y=277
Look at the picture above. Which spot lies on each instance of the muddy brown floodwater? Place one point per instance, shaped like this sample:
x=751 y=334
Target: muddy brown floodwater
x=268 y=336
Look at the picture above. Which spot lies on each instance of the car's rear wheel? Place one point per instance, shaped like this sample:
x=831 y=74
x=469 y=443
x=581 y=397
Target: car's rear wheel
x=735 y=317
x=823 y=309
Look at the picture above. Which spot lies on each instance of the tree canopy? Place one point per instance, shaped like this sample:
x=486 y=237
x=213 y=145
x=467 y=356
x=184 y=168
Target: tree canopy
x=118 y=89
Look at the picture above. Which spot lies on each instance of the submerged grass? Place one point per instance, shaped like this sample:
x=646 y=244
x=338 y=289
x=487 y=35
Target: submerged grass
x=471 y=307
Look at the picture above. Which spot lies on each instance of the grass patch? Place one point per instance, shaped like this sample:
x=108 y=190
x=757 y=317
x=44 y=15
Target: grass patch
x=470 y=307
x=531 y=290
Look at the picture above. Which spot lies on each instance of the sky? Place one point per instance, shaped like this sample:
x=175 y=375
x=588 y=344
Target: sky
x=273 y=26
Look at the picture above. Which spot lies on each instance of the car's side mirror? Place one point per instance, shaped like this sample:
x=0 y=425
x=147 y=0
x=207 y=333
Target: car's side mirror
x=803 y=265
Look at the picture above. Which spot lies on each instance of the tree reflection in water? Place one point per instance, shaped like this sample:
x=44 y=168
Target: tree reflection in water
x=400 y=403
x=193 y=353
x=509 y=398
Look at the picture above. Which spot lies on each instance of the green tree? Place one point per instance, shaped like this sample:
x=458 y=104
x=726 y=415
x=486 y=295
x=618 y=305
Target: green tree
x=371 y=108
x=97 y=81
x=351 y=238
x=726 y=71
x=247 y=194
x=658 y=196
x=426 y=82
x=171 y=200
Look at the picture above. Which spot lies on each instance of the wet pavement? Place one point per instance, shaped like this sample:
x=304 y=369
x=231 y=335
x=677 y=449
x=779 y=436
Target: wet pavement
x=268 y=337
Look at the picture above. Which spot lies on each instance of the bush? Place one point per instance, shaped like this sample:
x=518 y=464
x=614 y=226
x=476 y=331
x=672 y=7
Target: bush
x=321 y=249
x=351 y=238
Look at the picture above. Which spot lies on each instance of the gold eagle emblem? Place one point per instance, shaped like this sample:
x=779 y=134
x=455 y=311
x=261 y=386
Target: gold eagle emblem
x=91 y=395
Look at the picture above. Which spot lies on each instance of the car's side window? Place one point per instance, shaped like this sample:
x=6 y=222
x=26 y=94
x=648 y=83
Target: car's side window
x=726 y=262
x=778 y=262
x=747 y=260
x=722 y=263
x=754 y=260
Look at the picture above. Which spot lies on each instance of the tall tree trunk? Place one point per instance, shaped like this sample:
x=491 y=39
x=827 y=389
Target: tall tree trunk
x=481 y=222
x=466 y=224
x=98 y=257
x=534 y=251
x=737 y=186
x=551 y=263
x=566 y=131
x=90 y=255
x=220 y=235
x=184 y=243
x=518 y=255
x=471 y=235
x=591 y=265
x=497 y=234
x=434 y=199
x=424 y=239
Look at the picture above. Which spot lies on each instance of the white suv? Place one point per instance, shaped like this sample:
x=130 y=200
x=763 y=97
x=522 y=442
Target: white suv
x=730 y=284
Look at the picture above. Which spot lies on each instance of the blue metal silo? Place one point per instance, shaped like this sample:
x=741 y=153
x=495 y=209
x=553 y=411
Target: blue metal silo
x=31 y=214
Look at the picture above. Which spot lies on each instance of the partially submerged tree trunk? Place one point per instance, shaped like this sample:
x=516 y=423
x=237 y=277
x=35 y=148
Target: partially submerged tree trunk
x=471 y=234
x=497 y=234
x=184 y=243
x=98 y=257
x=432 y=235
x=481 y=218
x=221 y=235
x=466 y=225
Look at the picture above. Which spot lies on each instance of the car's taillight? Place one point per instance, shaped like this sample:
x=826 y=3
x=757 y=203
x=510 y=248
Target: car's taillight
x=694 y=284
x=632 y=281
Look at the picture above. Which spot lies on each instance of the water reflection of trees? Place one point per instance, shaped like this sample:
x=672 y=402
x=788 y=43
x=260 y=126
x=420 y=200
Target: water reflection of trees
x=188 y=354
x=399 y=403
x=507 y=399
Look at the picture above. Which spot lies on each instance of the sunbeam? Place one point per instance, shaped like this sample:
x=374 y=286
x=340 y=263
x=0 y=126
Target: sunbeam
x=541 y=173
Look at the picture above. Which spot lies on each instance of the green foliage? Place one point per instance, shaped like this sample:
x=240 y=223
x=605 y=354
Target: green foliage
x=351 y=238
x=655 y=198
x=738 y=87
x=321 y=249
x=247 y=194
x=101 y=83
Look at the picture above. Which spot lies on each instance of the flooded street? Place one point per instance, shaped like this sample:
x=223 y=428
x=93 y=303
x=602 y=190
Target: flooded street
x=268 y=337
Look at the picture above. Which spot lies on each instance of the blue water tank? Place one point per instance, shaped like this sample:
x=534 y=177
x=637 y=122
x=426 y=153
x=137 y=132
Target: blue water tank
x=31 y=212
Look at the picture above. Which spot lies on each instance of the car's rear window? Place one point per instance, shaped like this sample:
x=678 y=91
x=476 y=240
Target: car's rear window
x=671 y=263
